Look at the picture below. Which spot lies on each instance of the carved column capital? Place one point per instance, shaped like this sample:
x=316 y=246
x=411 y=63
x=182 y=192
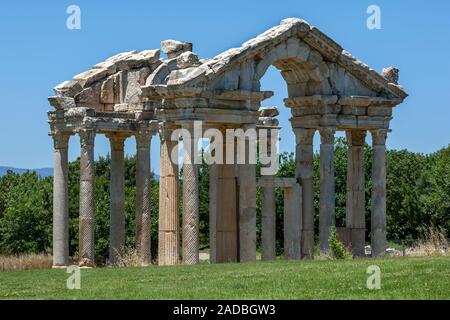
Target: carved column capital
x=166 y=129
x=87 y=137
x=61 y=140
x=379 y=136
x=304 y=135
x=117 y=141
x=356 y=137
x=143 y=139
x=327 y=135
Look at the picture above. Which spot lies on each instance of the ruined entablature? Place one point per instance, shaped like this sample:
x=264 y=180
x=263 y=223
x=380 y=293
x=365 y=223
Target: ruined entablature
x=312 y=64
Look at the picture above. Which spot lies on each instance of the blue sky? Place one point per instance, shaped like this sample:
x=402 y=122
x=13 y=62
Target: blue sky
x=38 y=52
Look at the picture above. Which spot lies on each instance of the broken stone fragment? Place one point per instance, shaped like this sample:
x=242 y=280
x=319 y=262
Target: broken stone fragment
x=121 y=107
x=268 y=121
x=391 y=74
x=68 y=88
x=268 y=112
x=187 y=59
x=62 y=102
x=174 y=48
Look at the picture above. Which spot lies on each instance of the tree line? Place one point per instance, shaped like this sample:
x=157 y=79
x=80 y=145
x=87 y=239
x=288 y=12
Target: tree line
x=418 y=196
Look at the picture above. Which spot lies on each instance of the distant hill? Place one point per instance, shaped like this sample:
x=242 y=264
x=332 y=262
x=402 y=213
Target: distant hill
x=43 y=172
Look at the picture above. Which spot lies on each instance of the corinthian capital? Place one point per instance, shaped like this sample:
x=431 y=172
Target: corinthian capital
x=304 y=135
x=379 y=136
x=87 y=137
x=356 y=137
x=143 y=138
x=327 y=135
x=61 y=140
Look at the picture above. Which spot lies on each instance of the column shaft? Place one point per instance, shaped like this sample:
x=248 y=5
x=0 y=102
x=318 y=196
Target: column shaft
x=169 y=228
x=226 y=211
x=190 y=239
x=304 y=173
x=117 y=199
x=143 y=197
x=327 y=194
x=60 y=201
x=87 y=200
x=292 y=222
x=268 y=224
x=378 y=219
x=247 y=202
x=355 y=218
x=213 y=188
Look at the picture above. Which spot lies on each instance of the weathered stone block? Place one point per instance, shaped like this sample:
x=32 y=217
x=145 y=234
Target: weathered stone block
x=379 y=111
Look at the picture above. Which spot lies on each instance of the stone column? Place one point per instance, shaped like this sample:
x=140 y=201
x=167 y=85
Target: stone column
x=87 y=199
x=378 y=219
x=169 y=228
x=143 y=197
x=304 y=173
x=61 y=201
x=117 y=199
x=268 y=225
x=213 y=189
x=292 y=233
x=190 y=239
x=327 y=194
x=247 y=202
x=355 y=218
x=223 y=211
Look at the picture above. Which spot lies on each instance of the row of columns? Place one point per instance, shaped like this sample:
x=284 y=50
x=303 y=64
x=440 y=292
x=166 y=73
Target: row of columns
x=355 y=218
x=87 y=198
x=233 y=199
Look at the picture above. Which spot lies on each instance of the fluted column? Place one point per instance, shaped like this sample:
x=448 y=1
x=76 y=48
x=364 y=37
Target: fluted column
x=87 y=199
x=60 y=200
x=247 y=201
x=117 y=199
x=143 y=196
x=378 y=219
x=169 y=229
x=268 y=225
x=190 y=240
x=327 y=194
x=304 y=173
x=355 y=218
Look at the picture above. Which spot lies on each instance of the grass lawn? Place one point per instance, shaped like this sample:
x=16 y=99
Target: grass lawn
x=401 y=278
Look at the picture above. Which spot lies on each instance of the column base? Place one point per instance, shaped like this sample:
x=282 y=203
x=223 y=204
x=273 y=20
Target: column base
x=60 y=267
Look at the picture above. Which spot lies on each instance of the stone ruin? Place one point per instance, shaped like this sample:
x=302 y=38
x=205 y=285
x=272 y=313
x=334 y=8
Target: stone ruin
x=141 y=94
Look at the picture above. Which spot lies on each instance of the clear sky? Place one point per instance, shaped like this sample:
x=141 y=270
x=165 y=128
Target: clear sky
x=38 y=52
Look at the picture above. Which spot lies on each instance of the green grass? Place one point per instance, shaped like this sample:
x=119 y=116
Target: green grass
x=402 y=278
